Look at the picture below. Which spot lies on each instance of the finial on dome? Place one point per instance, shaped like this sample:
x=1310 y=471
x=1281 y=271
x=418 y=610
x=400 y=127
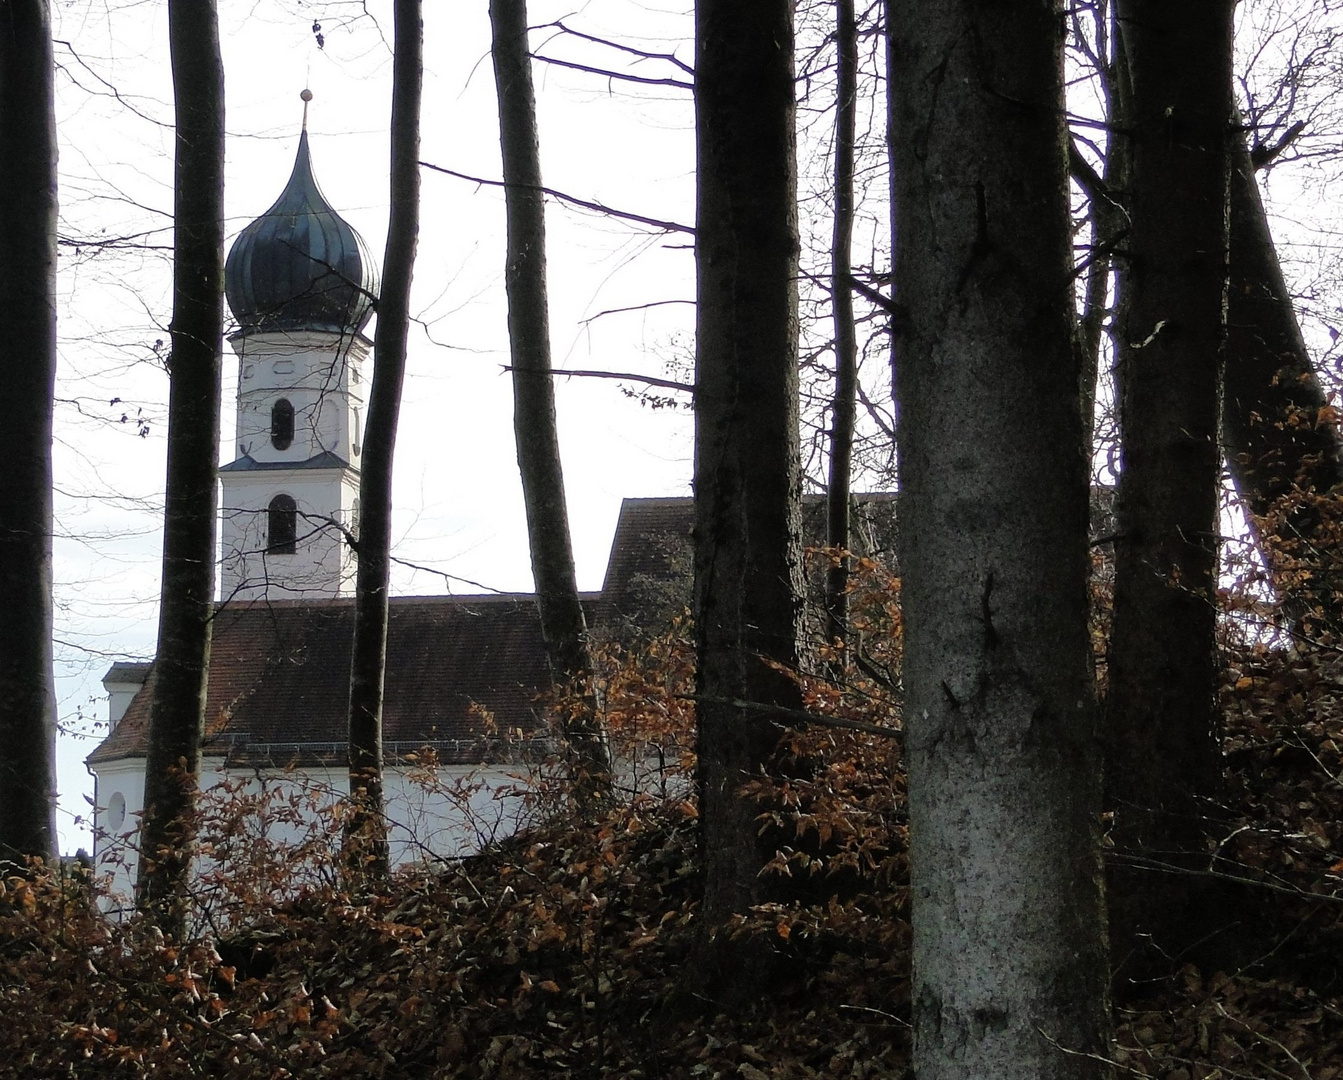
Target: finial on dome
x=306 y=95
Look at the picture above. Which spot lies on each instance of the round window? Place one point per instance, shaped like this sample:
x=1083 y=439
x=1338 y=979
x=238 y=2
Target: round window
x=116 y=811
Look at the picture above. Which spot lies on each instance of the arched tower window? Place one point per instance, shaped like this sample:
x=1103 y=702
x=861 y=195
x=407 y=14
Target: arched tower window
x=282 y=531
x=282 y=424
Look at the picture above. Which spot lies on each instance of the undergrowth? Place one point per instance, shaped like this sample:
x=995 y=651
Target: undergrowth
x=565 y=949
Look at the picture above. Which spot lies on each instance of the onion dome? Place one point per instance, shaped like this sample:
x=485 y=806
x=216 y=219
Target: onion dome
x=300 y=266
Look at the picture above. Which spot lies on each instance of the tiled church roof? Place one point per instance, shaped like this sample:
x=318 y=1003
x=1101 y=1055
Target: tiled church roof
x=279 y=670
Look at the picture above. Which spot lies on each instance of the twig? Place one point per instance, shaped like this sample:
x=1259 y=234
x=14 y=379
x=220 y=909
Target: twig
x=884 y=1015
x=1305 y=1073
x=680 y=84
x=632 y=307
x=669 y=384
x=801 y=716
x=596 y=207
x=670 y=58
x=1262 y=154
x=1221 y=875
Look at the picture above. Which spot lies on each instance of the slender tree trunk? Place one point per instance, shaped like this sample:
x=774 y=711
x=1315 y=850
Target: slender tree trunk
x=1279 y=437
x=177 y=710
x=892 y=323
x=846 y=343
x=1161 y=707
x=366 y=852
x=28 y=299
x=747 y=470
x=1109 y=218
x=562 y=623
x=1009 y=954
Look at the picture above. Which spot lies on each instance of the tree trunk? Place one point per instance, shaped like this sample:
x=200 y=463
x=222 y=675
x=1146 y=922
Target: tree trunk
x=366 y=854
x=1280 y=440
x=177 y=710
x=747 y=468
x=1009 y=952
x=28 y=298
x=1161 y=708
x=844 y=404
x=562 y=623
x=1109 y=218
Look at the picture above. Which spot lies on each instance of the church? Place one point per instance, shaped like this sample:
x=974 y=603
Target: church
x=465 y=674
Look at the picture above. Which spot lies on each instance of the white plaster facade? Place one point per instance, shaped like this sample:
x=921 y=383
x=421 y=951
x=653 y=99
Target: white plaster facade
x=450 y=813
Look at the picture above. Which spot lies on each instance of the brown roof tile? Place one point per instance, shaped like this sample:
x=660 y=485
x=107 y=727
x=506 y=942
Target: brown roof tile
x=279 y=678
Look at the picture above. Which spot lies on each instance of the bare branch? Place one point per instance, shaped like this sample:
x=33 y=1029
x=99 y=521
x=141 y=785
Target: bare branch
x=595 y=207
x=1263 y=154
x=632 y=307
x=667 y=384
x=669 y=58
x=680 y=84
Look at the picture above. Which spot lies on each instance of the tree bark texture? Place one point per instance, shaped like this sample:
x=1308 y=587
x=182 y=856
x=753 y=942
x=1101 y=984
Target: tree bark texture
x=28 y=300
x=177 y=710
x=563 y=626
x=366 y=853
x=1161 y=709
x=747 y=469
x=1279 y=436
x=1009 y=955
x=844 y=404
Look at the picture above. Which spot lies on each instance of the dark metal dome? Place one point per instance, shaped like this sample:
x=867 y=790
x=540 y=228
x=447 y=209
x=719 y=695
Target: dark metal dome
x=300 y=266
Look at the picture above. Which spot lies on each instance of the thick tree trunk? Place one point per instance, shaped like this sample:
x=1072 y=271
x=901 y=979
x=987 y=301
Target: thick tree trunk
x=562 y=622
x=1161 y=710
x=28 y=299
x=846 y=342
x=177 y=710
x=1280 y=440
x=366 y=854
x=747 y=469
x=1009 y=952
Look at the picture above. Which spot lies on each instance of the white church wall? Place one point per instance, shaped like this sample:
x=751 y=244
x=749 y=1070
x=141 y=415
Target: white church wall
x=284 y=823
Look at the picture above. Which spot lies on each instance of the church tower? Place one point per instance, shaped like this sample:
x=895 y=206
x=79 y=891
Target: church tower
x=302 y=286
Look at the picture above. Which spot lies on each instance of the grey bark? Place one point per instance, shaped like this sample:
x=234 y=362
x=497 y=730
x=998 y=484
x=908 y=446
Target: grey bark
x=844 y=403
x=1281 y=443
x=563 y=626
x=1009 y=955
x=28 y=299
x=177 y=709
x=366 y=854
x=1161 y=709
x=747 y=470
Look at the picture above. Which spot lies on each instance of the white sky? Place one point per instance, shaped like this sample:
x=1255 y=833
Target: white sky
x=457 y=495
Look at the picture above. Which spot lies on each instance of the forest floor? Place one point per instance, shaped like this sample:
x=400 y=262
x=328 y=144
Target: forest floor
x=567 y=951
